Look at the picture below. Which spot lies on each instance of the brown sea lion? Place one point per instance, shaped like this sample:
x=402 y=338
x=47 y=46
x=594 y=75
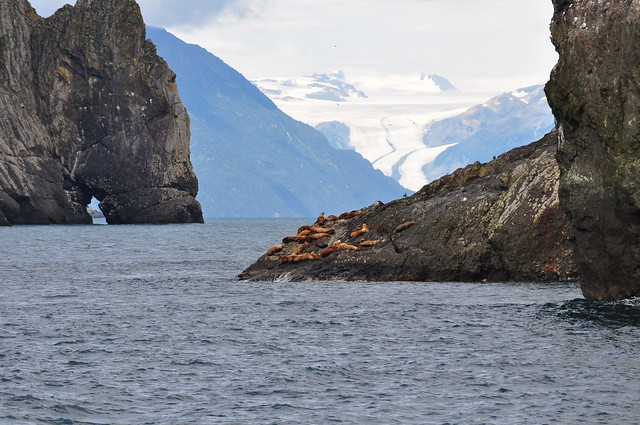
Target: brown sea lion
x=302 y=248
x=332 y=218
x=302 y=229
x=360 y=231
x=306 y=257
x=300 y=257
x=347 y=247
x=320 y=221
x=316 y=229
x=370 y=243
x=333 y=248
x=298 y=239
x=305 y=232
x=348 y=215
x=275 y=249
x=404 y=226
x=318 y=236
x=326 y=252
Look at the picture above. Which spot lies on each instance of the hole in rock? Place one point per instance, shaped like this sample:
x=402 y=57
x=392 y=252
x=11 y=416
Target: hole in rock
x=94 y=211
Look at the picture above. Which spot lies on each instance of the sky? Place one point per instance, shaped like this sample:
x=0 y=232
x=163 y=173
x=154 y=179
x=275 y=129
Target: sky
x=482 y=45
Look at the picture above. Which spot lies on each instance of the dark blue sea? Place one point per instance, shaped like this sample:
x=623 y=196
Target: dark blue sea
x=148 y=325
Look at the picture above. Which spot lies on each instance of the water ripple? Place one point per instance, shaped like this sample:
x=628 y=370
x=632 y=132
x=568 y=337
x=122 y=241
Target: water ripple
x=149 y=326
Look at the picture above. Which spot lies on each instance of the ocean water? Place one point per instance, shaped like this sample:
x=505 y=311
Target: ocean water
x=148 y=325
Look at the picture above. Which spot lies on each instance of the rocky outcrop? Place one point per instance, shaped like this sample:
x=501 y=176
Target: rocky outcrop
x=88 y=109
x=594 y=93
x=498 y=221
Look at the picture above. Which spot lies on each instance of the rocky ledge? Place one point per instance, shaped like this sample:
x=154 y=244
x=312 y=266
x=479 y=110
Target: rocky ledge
x=499 y=221
x=88 y=109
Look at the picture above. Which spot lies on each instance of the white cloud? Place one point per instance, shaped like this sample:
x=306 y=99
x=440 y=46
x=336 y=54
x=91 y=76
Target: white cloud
x=175 y=13
x=469 y=39
x=167 y=13
x=464 y=40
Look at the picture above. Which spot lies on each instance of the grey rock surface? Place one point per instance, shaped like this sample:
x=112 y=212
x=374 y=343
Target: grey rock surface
x=88 y=109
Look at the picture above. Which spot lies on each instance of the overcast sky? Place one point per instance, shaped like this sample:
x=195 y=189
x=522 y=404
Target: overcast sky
x=477 y=44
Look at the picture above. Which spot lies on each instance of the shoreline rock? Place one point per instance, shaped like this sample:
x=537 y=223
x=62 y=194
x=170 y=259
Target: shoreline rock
x=498 y=221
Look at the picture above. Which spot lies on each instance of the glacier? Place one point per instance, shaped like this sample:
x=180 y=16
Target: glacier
x=413 y=128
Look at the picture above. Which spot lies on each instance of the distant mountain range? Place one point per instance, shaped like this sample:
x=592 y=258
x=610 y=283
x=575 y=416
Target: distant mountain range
x=413 y=128
x=484 y=131
x=381 y=117
x=253 y=160
x=335 y=87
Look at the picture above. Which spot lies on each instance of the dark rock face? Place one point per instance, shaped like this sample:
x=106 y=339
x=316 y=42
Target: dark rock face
x=594 y=93
x=88 y=109
x=498 y=221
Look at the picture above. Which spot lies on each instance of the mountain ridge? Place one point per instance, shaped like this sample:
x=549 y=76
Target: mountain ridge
x=382 y=120
x=251 y=158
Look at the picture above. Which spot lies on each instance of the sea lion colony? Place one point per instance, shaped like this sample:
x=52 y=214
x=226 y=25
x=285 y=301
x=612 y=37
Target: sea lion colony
x=314 y=242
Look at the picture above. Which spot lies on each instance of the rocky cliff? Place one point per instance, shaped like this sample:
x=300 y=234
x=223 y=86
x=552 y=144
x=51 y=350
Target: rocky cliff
x=498 y=221
x=594 y=93
x=88 y=109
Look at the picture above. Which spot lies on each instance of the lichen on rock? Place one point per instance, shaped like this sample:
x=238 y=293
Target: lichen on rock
x=90 y=110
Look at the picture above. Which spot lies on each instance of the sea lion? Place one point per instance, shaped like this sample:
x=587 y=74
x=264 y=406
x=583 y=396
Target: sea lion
x=332 y=218
x=347 y=247
x=404 y=226
x=333 y=248
x=306 y=257
x=370 y=243
x=275 y=249
x=349 y=215
x=302 y=248
x=302 y=229
x=305 y=238
x=326 y=252
x=298 y=239
x=316 y=229
x=305 y=232
x=300 y=257
x=360 y=231
x=320 y=221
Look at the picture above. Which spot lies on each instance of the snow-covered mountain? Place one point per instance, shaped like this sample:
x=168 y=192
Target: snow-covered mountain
x=334 y=87
x=487 y=130
x=253 y=160
x=413 y=128
x=380 y=117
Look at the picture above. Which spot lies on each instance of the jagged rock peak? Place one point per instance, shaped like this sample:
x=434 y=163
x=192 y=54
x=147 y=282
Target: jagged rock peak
x=88 y=109
x=594 y=93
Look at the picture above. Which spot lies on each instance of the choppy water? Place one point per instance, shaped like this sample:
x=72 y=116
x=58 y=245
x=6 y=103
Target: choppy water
x=147 y=325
